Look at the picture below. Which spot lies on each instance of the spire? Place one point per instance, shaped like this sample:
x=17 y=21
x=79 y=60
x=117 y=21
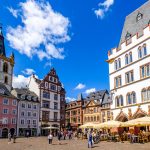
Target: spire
x=80 y=97
x=2 y=47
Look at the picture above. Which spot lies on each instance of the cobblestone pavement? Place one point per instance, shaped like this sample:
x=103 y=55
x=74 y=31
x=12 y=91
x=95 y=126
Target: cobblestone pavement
x=41 y=143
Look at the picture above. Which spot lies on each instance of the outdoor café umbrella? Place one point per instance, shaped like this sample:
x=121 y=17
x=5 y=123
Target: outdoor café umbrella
x=108 y=124
x=144 y=121
x=87 y=125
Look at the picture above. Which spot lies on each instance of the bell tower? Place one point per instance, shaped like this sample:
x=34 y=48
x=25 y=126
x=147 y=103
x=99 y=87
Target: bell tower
x=6 y=64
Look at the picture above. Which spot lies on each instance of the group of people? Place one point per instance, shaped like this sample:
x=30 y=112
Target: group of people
x=60 y=135
x=11 y=137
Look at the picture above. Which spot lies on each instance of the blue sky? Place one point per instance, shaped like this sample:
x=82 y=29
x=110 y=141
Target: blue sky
x=76 y=44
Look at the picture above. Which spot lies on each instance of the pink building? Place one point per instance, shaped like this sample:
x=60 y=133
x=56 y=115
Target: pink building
x=8 y=112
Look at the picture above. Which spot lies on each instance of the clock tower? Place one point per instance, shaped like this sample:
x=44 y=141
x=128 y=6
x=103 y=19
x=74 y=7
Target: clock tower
x=6 y=64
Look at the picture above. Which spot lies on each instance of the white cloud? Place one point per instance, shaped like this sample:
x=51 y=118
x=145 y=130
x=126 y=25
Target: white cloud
x=13 y=12
x=80 y=86
x=69 y=99
x=40 y=32
x=48 y=64
x=20 y=81
x=28 y=71
x=103 y=8
x=88 y=91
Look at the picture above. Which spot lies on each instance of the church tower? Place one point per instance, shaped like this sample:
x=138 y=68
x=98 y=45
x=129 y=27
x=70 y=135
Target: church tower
x=6 y=64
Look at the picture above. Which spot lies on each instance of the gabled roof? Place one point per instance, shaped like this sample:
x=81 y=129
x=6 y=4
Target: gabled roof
x=5 y=92
x=136 y=21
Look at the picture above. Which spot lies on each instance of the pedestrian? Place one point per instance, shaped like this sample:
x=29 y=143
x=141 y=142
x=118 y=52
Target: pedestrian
x=9 y=137
x=14 y=138
x=59 y=136
x=64 y=133
x=90 y=140
x=50 y=138
x=27 y=134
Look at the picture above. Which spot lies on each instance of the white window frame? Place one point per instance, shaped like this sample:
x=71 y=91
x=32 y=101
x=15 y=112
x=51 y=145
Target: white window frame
x=5 y=103
x=6 y=109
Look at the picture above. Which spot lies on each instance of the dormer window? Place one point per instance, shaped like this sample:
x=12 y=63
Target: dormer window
x=29 y=97
x=2 y=91
x=128 y=36
x=139 y=17
x=22 y=96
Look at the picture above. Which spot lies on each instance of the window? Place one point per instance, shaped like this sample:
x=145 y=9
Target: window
x=50 y=78
x=22 y=113
x=119 y=101
x=5 y=120
x=29 y=106
x=144 y=95
x=139 y=17
x=133 y=97
x=144 y=50
x=55 y=97
x=45 y=115
x=29 y=114
x=34 y=122
x=46 y=104
x=5 y=101
x=128 y=36
x=139 y=52
x=34 y=114
x=119 y=63
x=118 y=81
x=53 y=87
x=148 y=93
x=130 y=57
x=34 y=106
x=129 y=76
x=28 y=122
x=126 y=59
x=5 y=67
x=5 y=111
x=46 y=85
x=14 y=102
x=46 y=95
x=145 y=70
x=55 y=115
x=23 y=105
x=14 y=111
x=6 y=80
x=22 y=122
x=13 y=121
x=116 y=66
x=129 y=99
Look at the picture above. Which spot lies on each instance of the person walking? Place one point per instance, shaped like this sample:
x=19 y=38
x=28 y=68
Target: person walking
x=14 y=138
x=90 y=140
x=9 y=137
x=50 y=138
x=27 y=134
x=59 y=136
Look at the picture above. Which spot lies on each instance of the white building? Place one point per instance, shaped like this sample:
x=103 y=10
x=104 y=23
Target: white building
x=28 y=112
x=50 y=93
x=129 y=67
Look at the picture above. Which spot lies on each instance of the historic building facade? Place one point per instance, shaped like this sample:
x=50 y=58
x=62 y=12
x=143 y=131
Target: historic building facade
x=129 y=67
x=51 y=95
x=8 y=103
x=96 y=107
x=74 y=113
x=28 y=112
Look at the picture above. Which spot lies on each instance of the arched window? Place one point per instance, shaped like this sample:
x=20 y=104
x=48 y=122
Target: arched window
x=117 y=102
x=130 y=57
x=140 y=52
x=6 y=80
x=88 y=119
x=5 y=67
x=115 y=65
x=94 y=118
x=119 y=63
x=133 y=96
x=91 y=118
x=148 y=93
x=126 y=59
x=144 y=95
x=144 y=50
x=97 y=118
x=129 y=99
x=121 y=100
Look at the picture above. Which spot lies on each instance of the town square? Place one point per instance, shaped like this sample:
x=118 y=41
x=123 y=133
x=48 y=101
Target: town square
x=74 y=75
